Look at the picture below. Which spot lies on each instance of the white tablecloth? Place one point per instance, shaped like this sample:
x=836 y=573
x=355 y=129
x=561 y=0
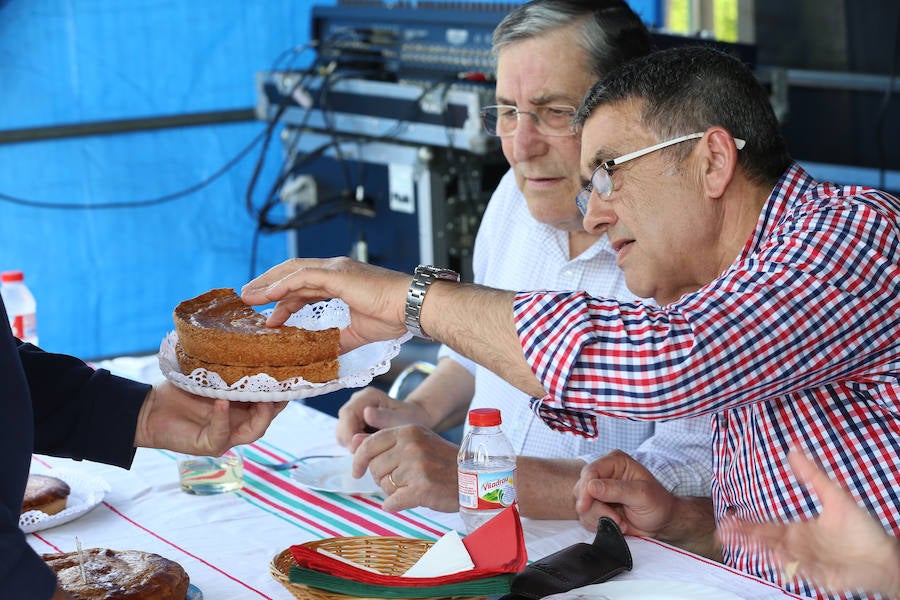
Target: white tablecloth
x=225 y=542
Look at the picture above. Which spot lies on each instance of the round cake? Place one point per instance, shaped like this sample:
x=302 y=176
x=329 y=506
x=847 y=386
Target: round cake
x=46 y=494
x=218 y=332
x=119 y=575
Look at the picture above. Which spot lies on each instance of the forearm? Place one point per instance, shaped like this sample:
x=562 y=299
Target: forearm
x=445 y=395
x=544 y=487
x=493 y=342
x=693 y=527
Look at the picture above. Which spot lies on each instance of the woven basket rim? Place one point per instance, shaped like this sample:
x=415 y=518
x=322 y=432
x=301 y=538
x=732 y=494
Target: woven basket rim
x=281 y=563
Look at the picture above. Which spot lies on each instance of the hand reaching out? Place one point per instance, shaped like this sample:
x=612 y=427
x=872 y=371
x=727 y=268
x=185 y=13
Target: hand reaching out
x=843 y=549
x=177 y=420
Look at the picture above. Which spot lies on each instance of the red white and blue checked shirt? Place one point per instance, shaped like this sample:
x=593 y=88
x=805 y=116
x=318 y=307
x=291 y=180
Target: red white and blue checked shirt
x=796 y=343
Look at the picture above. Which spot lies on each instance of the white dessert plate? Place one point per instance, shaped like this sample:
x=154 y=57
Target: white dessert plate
x=356 y=369
x=87 y=491
x=639 y=589
x=333 y=474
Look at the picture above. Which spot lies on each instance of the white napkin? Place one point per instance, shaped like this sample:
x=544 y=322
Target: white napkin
x=448 y=555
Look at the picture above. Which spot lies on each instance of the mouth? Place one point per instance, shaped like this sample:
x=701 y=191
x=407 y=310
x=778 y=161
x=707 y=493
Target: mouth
x=542 y=181
x=618 y=245
x=621 y=248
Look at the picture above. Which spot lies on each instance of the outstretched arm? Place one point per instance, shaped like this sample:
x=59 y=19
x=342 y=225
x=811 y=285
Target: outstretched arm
x=377 y=300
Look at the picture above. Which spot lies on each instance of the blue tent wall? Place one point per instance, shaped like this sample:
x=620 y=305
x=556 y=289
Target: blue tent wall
x=106 y=280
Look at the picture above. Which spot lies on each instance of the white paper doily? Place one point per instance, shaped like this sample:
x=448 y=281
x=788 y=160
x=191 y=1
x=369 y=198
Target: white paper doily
x=356 y=368
x=87 y=491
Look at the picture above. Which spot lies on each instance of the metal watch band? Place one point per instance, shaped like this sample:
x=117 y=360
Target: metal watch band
x=423 y=277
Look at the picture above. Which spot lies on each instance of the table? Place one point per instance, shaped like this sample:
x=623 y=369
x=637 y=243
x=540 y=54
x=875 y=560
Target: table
x=225 y=542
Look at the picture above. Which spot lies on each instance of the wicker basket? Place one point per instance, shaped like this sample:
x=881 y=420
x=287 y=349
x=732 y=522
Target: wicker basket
x=388 y=555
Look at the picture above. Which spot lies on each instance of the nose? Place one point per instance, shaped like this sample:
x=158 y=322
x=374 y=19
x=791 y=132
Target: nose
x=527 y=142
x=599 y=217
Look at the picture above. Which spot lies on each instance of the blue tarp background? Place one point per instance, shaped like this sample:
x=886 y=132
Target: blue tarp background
x=106 y=280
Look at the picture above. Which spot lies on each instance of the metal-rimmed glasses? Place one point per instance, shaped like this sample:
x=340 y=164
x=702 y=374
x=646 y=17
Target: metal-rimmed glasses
x=502 y=120
x=601 y=182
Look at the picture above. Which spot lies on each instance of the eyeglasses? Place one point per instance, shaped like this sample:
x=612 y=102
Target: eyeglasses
x=601 y=182
x=503 y=120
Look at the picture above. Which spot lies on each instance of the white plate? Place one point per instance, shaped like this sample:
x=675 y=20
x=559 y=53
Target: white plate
x=356 y=369
x=87 y=491
x=645 y=590
x=334 y=475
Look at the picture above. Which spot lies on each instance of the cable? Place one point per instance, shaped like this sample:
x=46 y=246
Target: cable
x=266 y=133
x=138 y=203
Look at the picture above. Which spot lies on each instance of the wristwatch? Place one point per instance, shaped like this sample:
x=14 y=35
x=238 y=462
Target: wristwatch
x=423 y=277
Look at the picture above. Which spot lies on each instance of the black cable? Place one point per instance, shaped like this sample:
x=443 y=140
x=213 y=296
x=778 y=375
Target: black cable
x=167 y=197
x=139 y=203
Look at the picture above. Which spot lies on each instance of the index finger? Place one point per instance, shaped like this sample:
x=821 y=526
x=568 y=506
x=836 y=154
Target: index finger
x=295 y=276
x=372 y=446
x=272 y=275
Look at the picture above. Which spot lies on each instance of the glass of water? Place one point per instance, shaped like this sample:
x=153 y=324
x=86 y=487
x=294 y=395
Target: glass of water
x=204 y=475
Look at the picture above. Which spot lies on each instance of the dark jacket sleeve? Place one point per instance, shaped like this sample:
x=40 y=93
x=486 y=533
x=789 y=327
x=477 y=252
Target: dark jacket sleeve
x=80 y=412
x=53 y=404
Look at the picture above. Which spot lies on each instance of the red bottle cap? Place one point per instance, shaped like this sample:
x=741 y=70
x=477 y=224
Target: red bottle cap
x=484 y=417
x=12 y=276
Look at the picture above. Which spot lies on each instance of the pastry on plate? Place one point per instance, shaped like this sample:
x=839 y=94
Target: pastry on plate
x=118 y=574
x=218 y=332
x=45 y=493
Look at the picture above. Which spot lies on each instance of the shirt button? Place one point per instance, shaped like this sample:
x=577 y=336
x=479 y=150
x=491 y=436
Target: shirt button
x=730 y=511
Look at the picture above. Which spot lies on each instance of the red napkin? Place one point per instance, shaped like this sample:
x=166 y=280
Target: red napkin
x=497 y=547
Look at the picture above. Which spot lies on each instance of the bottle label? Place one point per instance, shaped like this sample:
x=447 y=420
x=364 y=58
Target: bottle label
x=487 y=491
x=24 y=327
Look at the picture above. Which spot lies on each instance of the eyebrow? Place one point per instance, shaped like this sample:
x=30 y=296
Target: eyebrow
x=540 y=100
x=599 y=157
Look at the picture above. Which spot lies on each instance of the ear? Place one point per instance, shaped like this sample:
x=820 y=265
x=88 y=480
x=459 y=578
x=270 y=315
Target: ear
x=722 y=157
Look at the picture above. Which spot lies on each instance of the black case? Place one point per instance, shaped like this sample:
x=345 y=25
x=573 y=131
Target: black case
x=576 y=566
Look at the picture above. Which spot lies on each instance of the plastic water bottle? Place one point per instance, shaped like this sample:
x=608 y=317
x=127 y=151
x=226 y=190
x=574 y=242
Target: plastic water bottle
x=486 y=469
x=20 y=306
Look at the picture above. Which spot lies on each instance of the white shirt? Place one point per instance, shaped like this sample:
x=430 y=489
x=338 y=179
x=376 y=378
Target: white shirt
x=515 y=252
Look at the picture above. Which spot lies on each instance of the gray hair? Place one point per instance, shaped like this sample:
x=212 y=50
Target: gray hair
x=610 y=32
x=692 y=88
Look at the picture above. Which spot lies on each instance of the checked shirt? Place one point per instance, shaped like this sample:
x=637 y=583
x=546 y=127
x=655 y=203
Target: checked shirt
x=796 y=343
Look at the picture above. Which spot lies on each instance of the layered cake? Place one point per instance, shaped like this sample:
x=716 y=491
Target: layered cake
x=103 y=574
x=218 y=332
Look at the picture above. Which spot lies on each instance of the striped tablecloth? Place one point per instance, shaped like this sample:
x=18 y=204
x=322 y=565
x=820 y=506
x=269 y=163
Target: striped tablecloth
x=225 y=542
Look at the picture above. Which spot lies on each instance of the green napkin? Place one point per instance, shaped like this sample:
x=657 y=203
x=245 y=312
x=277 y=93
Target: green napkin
x=486 y=586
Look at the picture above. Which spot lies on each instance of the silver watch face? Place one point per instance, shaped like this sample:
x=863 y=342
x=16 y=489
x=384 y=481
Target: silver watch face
x=437 y=272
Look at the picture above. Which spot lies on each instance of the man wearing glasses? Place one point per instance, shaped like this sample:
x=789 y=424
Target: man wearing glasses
x=548 y=54
x=779 y=311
